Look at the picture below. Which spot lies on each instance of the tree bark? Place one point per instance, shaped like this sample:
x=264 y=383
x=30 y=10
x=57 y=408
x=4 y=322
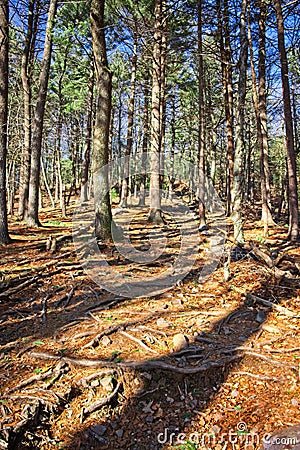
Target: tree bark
x=293 y=233
x=162 y=93
x=100 y=153
x=172 y=147
x=27 y=98
x=88 y=137
x=201 y=130
x=129 y=141
x=46 y=184
x=142 y=196
x=37 y=133
x=226 y=66
x=237 y=190
x=4 y=36
x=260 y=107
x=155 y=214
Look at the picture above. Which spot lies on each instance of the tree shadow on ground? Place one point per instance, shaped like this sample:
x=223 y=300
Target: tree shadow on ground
x=169 y=394
x=166 y=401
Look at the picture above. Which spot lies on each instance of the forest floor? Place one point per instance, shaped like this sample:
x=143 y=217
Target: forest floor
x=214 y=363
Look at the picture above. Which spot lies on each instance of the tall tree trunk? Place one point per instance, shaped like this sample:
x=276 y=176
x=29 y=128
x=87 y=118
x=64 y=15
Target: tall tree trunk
x=291 y=154
x=237 y=191
x=260 y=107
x=131 y=105
x=62 y=201
x=162 y=94
x=100 y=153
x=145 y=141
x=4 y=33
x=88 y=137
x=201 y=143
x=38 y=120
x=262 y=104
x=172 y=147
x=226 y=66
x=155 y=214
x=27 y=98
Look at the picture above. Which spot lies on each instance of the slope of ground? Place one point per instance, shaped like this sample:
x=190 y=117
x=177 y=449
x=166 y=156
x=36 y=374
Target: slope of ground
x=211 y=365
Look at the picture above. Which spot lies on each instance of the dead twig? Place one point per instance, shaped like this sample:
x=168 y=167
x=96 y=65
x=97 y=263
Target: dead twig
x=283 y=350
x=269 y=360
x=38 y=377
x=44 y=308
x=66 y=298
x=278 y=308
x=116 y=328
x=138 y=341
x=19 y=287
x=58 y=371
x=84 y=381
x=257 y=376
x=152 y=330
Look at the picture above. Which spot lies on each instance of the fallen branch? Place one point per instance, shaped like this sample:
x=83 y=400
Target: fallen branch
x=152 y=330
x=138 y=341
x=283 y=350
x=66 y=298
x=278 y=308
x=84 y=381
x=114 y=329
x=29 y=397
x=106 y=305
x=270 y=263
x=257 y=376
x=13 y=290
x=39 y=377
x=270 y=360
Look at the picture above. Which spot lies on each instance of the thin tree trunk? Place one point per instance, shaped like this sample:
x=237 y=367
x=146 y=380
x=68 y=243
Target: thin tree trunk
x=27 y=96
x=260 y=107
x=100 y=153
x=212 y=137
x=11 y=176
x=226 y=66
x=162 y=93
x=131 y=105
x=155 y=214
x=237 y=191
x=201 y=143
x=37 y=133
x=120 y=143
x=47 y=184
x=291 y=154
x=88 y=137
x=4 y=36
x=248 y=162
x=145 y=141
x=262 y=104
x=172 y=149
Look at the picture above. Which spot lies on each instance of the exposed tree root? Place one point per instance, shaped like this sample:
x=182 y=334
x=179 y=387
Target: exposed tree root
x=145 y=365
x=102 y=402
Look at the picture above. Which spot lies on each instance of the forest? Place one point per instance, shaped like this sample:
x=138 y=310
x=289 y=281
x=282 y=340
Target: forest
x=149 y=224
